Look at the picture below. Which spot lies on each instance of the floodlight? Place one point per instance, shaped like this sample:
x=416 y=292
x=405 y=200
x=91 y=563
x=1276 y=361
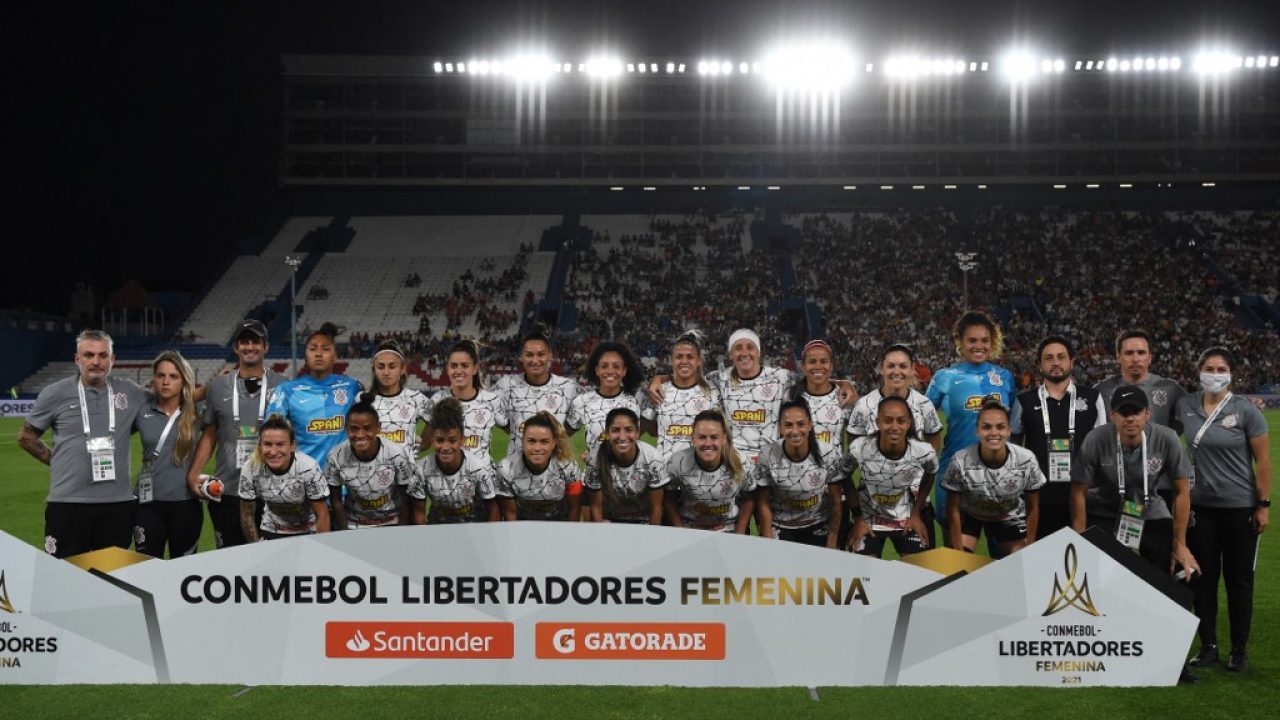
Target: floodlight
x=1080 y=64
x=671 y=67
x=1275 y=60
x=631 y=67
x=743 y=68
x=448 y=67
x=755 y=68
x=1088 y=65
x=530 y=67
x=1018 y=66
x=1059 y=65
x=680 y=68
x=1175 y=63
x=811 y=67
x=1162 y=64
x=1124 y=66
x=726 y=68
x=462 y=67
x=438 y=67
x=605 y=67
x=1112 y=64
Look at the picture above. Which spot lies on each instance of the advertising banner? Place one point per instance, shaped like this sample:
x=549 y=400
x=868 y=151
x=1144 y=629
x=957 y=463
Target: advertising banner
x=1060 y=612
x=569 y=604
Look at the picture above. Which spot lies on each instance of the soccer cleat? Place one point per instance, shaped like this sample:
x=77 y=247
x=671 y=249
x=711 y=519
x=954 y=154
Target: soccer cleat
x=1208 y=655
x=1238 y=662
x=1187 y=678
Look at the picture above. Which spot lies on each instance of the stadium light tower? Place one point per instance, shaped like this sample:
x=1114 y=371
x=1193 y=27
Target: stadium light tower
x=293 y=262
x=967 y=263
x=810 y=67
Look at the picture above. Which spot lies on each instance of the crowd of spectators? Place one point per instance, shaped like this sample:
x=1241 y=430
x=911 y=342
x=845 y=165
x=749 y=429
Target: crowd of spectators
x=884 y=277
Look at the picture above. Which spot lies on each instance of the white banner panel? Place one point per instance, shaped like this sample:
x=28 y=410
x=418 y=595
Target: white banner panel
x=1059 y=613
x=16 y=408
x=59 y=624
x=527 y=603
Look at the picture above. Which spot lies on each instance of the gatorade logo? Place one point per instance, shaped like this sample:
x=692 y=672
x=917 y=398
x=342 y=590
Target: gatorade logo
x=420 y=640
x=630 y=641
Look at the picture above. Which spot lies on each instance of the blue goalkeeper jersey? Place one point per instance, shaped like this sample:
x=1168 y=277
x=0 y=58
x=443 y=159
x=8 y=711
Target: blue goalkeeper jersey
x=958 y=392
x=318 y=411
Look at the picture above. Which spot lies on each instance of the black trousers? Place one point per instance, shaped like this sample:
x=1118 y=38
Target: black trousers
x=1224 y=544
x=905 y=543
x=75 y=528
x=1156 y=546
x=1053 y=517
x=175 y=524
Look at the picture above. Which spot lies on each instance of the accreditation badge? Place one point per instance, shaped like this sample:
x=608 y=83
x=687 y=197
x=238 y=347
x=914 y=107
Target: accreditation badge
x=1129 y=529
x=246 y=444
x=146 y=481
x=102 y=459
x=1060 y=460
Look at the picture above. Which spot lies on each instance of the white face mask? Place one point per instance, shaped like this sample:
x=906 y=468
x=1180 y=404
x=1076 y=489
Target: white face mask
x=1215 y=382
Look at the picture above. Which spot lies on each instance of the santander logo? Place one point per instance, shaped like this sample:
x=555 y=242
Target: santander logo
x=358 y=643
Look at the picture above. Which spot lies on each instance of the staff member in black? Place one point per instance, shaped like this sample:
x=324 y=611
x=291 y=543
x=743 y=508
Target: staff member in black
x=1055 y=417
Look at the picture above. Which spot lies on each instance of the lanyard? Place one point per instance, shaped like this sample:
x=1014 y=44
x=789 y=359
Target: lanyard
x=235 y=399
x=1071 y=411
x=1120 y=468
x=165 y=434
x=84 y=410
x=1200 y=435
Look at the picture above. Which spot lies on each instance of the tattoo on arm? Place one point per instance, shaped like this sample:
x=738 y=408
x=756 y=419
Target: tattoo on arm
x=247 y=524
x=29 y=440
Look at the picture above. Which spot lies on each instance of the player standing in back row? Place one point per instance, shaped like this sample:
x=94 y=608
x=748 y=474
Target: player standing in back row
x=535 y=390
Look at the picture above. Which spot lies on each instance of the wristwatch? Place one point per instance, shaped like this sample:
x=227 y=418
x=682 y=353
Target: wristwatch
x=1265 y=503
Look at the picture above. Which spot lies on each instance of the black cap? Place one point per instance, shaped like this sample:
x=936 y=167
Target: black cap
x=1128 y=399
x=250 y=326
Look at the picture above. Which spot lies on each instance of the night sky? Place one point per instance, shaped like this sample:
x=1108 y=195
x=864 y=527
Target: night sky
x=145 y=136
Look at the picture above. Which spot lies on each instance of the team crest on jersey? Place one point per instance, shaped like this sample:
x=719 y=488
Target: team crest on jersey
x=994 y=378
x=1230 y=421
x=813 y=477
x=340 y=396
x=120 y=400
x=769 y=390
x=479 y=417
x=1159 y=397
x=1154 y=465
x=1081 y=405
x=829 y=415
x=550 y=402
x=402 y=413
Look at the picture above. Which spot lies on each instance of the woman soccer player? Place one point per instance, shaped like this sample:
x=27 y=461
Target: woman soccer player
x=994 y=487
x=316 y=404
x=482 y=408
x=461 y=485
x=399 y=407
x=797 y=483
x=614 y=371
x=289 y=483
x=625 y=479
x=535 y=390
x=708 y=480
x=375 y=472
x=541 y=481
x=898 y=471
x=682 y=397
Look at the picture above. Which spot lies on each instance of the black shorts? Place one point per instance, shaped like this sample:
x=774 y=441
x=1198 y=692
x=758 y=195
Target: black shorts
x=1002 y=531
x=905 y=542
x=815 y=534
x=75 y=528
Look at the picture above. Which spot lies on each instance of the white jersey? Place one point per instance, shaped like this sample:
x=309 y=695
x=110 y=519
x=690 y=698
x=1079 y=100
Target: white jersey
x=889 y=486
x=539 y=496
x=589 y=410
x=628 y=500
x=992 y=494
x=459 y=497
x=706 y=499
x=829 y=418
x=675 y=416
x=798 y=490
x=751 y=406
x=479 y=416
x=862 y=421
x=372 y=498
x=522 y=401
x=286 y=497
x=399 y=415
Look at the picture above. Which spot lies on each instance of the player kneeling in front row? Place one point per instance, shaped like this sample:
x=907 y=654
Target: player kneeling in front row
x=897 y=478
x=541 y=481
x=289 y=483
x=375 y=471
x=797 y=481
x=461 y=485
x=626 y=478
x=993 y=486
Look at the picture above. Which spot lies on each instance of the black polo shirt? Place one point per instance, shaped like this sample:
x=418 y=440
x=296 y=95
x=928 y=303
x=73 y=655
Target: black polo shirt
x=1089 y=414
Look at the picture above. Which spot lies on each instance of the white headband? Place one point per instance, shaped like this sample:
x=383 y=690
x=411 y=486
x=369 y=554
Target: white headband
x=744 y=333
